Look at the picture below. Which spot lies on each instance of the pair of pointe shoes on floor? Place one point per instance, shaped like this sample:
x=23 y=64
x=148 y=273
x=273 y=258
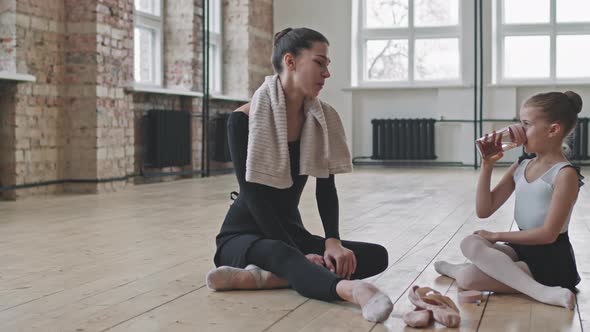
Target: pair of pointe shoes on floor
x=431 y=304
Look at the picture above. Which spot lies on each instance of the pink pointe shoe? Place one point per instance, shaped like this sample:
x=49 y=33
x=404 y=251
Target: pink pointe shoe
x=442 y=307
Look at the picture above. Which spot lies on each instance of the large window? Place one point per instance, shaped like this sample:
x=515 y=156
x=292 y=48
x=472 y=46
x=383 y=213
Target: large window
x=545 y=41
x=148 y=42
x=409 y=42
x=215 y=46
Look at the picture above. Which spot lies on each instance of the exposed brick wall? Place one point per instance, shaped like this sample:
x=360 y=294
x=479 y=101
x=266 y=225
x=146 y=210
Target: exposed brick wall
x=180 y=56
x=247 y=51
x=78 y=121
x=38 y=110
x=260 y=40
x=196 y=40
x=80 y=79
x=114 y=111
x=235 y=47
x=7 y=36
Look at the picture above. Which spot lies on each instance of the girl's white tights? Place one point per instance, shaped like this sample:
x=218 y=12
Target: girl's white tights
x=494 y=269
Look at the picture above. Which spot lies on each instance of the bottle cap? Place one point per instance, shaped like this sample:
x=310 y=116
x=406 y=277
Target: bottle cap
x=519 y=134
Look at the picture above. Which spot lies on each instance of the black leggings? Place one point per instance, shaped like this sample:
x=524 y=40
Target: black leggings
x=307 y=278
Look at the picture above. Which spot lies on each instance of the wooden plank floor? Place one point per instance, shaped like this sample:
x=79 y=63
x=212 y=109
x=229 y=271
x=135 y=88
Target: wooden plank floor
x=136 y=260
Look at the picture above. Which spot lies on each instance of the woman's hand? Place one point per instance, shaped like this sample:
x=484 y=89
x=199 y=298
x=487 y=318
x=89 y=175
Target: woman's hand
x=490 y=236
x=338 y=259
x=316 y=259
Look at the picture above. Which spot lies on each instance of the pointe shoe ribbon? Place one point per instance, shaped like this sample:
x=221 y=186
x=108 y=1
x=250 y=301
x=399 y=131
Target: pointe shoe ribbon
x=442 y=307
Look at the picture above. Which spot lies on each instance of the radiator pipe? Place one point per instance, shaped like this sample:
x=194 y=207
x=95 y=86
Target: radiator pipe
x=205 y=100
x=186 y=172
x=480 y=120
x=367 y=161
x=64 y=181
x=207 y=72
x=480 y=70
x=475 y=84
x=203 y=87
x=358 y=161
x=142 y=173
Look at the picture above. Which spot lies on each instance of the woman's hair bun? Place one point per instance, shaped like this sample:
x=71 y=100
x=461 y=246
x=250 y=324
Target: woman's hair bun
x=280 y=34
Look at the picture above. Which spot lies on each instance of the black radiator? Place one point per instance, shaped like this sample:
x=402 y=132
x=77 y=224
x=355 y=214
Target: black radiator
x=168 y=138
x=403 y=139
x=579 y=143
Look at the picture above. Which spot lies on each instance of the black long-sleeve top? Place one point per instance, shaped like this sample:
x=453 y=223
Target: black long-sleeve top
x=270 y=212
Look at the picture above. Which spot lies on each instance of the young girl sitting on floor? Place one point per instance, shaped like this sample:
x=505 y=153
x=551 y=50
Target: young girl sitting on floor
x=538 y=260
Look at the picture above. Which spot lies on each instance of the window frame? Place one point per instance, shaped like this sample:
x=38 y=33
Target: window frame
x=551 y=29
x=154 y=22
x=215 y=29
x=411 y=33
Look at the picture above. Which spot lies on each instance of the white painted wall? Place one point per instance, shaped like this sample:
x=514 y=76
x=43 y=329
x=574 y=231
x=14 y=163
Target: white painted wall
x=357 y=107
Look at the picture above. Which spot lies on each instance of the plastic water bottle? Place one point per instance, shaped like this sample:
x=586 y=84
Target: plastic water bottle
x=501 y=140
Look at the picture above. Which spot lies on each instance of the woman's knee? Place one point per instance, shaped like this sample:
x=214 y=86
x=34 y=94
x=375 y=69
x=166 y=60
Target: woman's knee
x=281 y=252
x=372 y=259
x=271 y=254
x=381 y=258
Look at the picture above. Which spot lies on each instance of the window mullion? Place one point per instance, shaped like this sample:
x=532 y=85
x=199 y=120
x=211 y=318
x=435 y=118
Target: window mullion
x=498 y=10
x=160 y=49
x=215 y=40
x=148 y=16
x=411 y=41
x=397 y=33
x=528 y=29
x=148 y=22
x=159 y=56
x=154 y=58
x=572 y=28
x=361 y=42
x=437 y=32
x=552 y=42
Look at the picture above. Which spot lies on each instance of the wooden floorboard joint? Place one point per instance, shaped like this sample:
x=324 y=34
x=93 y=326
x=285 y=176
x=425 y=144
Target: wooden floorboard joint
x=151 y=309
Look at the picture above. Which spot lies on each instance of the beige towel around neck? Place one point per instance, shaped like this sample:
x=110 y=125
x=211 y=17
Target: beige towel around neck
x=322 y=145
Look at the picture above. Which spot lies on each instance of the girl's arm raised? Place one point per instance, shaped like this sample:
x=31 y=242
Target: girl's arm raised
x=488 y=201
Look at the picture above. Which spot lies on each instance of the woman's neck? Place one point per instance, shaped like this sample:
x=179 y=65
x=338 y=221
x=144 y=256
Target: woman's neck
x=293 y=96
